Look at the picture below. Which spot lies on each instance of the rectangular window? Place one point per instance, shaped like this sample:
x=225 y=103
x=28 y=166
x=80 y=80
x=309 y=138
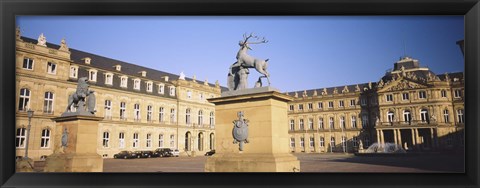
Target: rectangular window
x=312 y=142
x=292 y=124
x=161 y=88
x=292 y=142
x=443 y=93
x=45 y=141
x=422 y=94
x=364 y=121
x=332 y=126
x=172 y=141
x=352 y=102
x=73 y=72
x=48 y=103
x=320 y=105
x=109 y=79
x=389 y=97
x=457 y=93
x=342 y=122
x=460 y=116
x=123 y=107
x=405 y=96
x=92 y=75
x=124 y=81
x=310 y=106
x=300 y=106
x=149 y=87
x=136 y=84
x=354 y=121
x=322 y=142
x=172 y=91
x=341 y=104
x=149 y=113
x=302 y=142
x=330 y=104
x=51 y=68
x=446 y=118
x=354 y=141
x=108 y=109
x=301 y=125
x=20 y=138
x=363 y=101
x=161 y=114
x=27 y=64
x=136 y=112
x=291 y=107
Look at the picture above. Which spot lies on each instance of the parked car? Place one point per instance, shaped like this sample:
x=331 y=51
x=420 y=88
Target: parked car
x=146 y=154
x=138 y=154
x=164 y=152
x=175 y=153
x=125 y=155
x=210 y=153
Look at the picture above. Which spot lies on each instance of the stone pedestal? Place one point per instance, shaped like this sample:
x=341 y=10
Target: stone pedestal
x=80 y=154
x=267 y=149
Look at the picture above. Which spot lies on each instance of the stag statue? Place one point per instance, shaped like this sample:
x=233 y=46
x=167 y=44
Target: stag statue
x=246 y=61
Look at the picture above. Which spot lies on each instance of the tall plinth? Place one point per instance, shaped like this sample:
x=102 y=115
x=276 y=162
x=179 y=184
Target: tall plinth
x=75 y=147
x=267 y=148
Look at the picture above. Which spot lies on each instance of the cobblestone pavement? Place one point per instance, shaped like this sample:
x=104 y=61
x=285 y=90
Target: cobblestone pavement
x=430 y=162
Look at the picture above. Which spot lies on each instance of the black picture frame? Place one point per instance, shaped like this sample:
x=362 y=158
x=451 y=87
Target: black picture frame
x=10 y=9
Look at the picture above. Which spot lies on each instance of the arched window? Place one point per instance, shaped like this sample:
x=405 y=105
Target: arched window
x=106 y=139
x=108 y=109
x=20 y=138
x=48 y=103
x=320 y=123
x=187 y=141
x=136 y=112
x=24 y=101
x=135 y=140
x=446 y=118
x=212 y=141
x=460 y=116
x=160 y=140
x=172 y=115
x=292 y=124
x=200 y=142
x=45 y=140
x=310 y=124
x=149 y=113
x=161 y=114
x=123 y=108
x=331 y=123
x=424 y=115
x=407 y=116
x=121 y=140
x=200 y=117
x=212 y=119
x=342 y=122
x=301 y=125
x=390 y=116
x=187 y=116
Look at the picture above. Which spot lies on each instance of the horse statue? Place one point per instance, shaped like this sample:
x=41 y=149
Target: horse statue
x=246 y=61
x=79 y=97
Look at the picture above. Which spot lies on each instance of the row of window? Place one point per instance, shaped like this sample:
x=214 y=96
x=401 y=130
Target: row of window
x=136 y=141
x=28 y=65
x=25 y=94
x=425 y=118
x=331 y=123
x=341 y=104
x=322 y=142
x=423 y=95
x=21 y=137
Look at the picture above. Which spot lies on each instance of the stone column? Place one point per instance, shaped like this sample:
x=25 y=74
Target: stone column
x=432 y=137
x=382 y=137
x=417 y=139
x=378 y=137
x=414 y=140
x=395 y=136
x=399 y=132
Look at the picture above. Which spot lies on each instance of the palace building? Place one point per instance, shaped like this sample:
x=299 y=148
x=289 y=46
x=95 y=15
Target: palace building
x=145 y=109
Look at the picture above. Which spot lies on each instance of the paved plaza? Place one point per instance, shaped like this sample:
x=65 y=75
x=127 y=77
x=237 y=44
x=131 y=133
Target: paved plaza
x=309 y=162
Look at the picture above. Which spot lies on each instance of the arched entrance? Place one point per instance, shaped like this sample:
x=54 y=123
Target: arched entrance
x=188 y=138
x=200 y=141
x=212 y=141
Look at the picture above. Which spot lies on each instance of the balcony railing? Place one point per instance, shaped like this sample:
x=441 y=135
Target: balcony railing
x=409 y=123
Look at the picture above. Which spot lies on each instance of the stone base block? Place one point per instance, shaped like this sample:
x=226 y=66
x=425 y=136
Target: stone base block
x=252 y=163
x=24 y=165
x=74 y=163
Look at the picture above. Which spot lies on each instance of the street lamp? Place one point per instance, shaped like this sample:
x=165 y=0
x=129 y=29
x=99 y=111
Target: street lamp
x=30 y=115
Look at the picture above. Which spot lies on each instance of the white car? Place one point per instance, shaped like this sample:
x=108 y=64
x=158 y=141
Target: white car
x=175 y=152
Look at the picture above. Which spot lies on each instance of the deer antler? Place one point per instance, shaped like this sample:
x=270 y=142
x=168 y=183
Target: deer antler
x=259 y=42
x=245 y=37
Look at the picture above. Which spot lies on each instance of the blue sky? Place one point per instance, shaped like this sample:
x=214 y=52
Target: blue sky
x=305 y=52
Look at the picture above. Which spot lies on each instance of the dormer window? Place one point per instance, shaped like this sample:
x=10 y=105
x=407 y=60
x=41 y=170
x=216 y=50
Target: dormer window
x=92 y=75
x=87 y=60
x=144 y=73
x=123 y=81
x=166 y=78
x=161 y=88
x=149 y=86
x=172 y=91
x=136 y=84
x=118 y=67
x=73 y=71
x=109 y=78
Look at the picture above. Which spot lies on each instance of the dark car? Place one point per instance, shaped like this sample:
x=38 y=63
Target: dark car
x=210 y=153
x=164 y=152
x=125 y=155
x=146 y=154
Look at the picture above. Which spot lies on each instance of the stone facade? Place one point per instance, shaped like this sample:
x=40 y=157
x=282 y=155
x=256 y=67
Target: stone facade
x=410 y=106
x=155 y=109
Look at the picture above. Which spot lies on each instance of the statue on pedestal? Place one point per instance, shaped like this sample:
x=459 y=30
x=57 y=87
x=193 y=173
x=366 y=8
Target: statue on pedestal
x=78 y=99
x=245 y=61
